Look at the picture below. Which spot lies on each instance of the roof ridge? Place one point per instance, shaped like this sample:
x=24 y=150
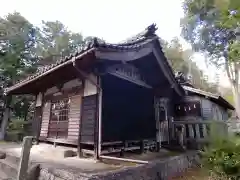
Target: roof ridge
x=150 y=31
x=209 y=94
x=94 y=42
x=133 y=43
x=52 y=65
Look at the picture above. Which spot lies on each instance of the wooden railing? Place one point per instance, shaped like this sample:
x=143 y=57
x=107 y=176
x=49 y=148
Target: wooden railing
x=198 y=131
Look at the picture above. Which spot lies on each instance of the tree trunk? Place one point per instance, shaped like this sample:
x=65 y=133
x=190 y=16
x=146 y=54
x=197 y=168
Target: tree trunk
x=236 y=97
x=232 y=70
x=6 y=116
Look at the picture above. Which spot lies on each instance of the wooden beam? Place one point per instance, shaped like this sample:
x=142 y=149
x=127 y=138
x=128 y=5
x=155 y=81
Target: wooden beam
x=80 y=150
x=169 y=77
x=96 y=128
x=142 y=146
x=100 y=94
x=97 y=131
x=97 y=124
x=85 y=75
x=129 y=55
x=40 y=119
x=138 y=82
x=124 y=159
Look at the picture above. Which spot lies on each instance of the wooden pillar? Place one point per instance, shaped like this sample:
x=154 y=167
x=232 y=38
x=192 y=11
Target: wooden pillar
x=197 y=128
x=204 y=130
x=39 y=102
x=191 y=132
x=158 y=137
x=100 y=95
x=80 y=153
x=96 y=131
x=6 y=117
x=141 y=146
x=98 y=122
x=158 y=123
x=170 y=128
x=180 y=135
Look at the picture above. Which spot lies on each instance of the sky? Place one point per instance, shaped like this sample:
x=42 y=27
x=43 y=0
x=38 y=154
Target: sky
x=111 y=20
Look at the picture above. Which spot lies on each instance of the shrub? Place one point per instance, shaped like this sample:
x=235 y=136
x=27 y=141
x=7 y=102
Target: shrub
x=16 y=130
x=222 y=156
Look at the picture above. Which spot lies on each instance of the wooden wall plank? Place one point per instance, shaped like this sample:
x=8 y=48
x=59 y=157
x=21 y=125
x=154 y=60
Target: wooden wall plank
x=73 y=124
x=88 y=119
x=45 y=119
x=74 y=117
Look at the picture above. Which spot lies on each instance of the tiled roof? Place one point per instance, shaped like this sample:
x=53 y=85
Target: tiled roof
x=215 y=97
x=133 y=43
x=148 y=32
x=201 y=92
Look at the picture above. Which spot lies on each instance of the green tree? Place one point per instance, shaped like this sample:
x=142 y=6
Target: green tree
x=24 y=48
x=211 y=27
x=17 y=54
x=180 y=60
x=57 y=41
x=17 y=47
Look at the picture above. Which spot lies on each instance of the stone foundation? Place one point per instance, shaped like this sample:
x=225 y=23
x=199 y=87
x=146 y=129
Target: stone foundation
x=155 y=170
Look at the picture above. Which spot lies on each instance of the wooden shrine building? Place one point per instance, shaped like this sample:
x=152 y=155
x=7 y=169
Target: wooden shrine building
x=106 y=97
x=197 y=104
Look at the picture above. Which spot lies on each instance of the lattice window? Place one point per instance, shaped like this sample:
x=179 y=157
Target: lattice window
x=59 y=110
x=58 y=125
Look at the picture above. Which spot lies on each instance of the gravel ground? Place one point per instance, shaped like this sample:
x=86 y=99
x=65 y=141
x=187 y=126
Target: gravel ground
x=51 y=156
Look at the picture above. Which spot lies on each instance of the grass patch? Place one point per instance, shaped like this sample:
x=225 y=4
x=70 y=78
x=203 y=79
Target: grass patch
x=3 y=142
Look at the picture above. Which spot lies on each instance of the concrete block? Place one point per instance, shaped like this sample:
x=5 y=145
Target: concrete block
x=33 y=172
x=2 y=155
x=69 y=153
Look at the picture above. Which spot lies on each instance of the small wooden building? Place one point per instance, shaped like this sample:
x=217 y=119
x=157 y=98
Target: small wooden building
x=212 y=106
x=106 y=97
x=197 y=104
x=196 y=112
